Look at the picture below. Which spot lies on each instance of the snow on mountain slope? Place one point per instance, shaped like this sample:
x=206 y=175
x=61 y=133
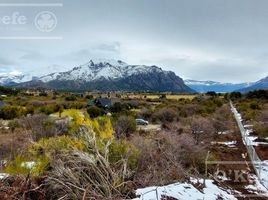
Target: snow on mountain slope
x=194 y=82
x=8 y=79
x=261 y=84
x=112 y=75
x=205 y=86
x=94 y=70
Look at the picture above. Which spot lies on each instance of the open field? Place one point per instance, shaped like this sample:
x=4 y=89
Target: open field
x=153 y=96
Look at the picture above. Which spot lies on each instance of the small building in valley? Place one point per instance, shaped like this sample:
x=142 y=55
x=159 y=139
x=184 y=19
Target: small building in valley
x=101 y=102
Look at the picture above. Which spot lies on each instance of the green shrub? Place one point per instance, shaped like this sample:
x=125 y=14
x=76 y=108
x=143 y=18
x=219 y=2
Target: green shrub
x=94 y=111
x=52 y=146
x=11 y=112
x=89 y=97
x=71 y=98
x=261 y=130
x=119 y=150
x=235 y=95
x=43 y=94
x=255 y=105
x=23 y=166
x=120 y=107
x=50 y=109
x=258 y=94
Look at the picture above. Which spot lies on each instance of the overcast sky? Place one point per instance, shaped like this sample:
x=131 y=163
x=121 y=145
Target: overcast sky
x=222 y=40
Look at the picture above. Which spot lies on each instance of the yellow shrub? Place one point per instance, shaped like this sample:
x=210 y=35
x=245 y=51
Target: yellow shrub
x=24 y=166
x=52 y=146
x=41 y=164
x=16 y=167
x=102 y=126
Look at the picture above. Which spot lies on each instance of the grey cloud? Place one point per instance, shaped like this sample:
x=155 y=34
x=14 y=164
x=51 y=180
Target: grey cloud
x=4 y=61
x=115 y=47
x=33 y=55
x=208 y=39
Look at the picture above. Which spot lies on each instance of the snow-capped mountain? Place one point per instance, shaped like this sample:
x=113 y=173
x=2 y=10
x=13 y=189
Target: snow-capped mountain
x=112 y=75
x=94 y=70
x=261 y=84
x=12 y=79
x=205 y=86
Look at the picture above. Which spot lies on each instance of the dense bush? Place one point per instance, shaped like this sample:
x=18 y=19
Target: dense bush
x=71 y=98
x=201 y=127
x=12 y=112
x=124 y=126
x=94 y=111
x=145 y=113
x=43 y=94
x=121 y=149
x=42 y=126
x=8 y=91
x=89 y=96
x=235 y=95
x=165 y=115
x=209 y=106
x=165 y=158
x=50 y=109
x=23 y=166
x=222 y=119
x=261 y=130
x=120 y=107
x=255 y=105
x=74 y=105
x=212 y=93
x=249 y=109
x=258 y=94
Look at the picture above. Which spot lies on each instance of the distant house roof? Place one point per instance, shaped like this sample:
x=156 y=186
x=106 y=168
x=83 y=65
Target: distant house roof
x=91 y=103
x=104 y=102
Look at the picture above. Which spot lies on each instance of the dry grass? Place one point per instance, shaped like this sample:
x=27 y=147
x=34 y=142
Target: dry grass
x=87 y=175
x=13 y=143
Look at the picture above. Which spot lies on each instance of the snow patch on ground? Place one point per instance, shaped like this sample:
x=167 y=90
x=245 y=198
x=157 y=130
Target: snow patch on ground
x=28 y=165
x=3 y=175
x=229 y=144
x=257 y=187
x=223 y=133
x=185 y=191
x=264 y=173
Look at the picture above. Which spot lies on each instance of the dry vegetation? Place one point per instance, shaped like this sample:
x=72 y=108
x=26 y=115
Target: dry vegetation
x=80 y=153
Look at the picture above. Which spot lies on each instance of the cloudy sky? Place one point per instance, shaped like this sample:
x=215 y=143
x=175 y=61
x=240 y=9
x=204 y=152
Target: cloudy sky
x=222 y=40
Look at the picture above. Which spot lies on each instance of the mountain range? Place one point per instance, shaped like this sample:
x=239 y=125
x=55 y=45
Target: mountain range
x=261 y=84
x=116 y=75
x=205 y=86
x=13 y=79
x=111 y=75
